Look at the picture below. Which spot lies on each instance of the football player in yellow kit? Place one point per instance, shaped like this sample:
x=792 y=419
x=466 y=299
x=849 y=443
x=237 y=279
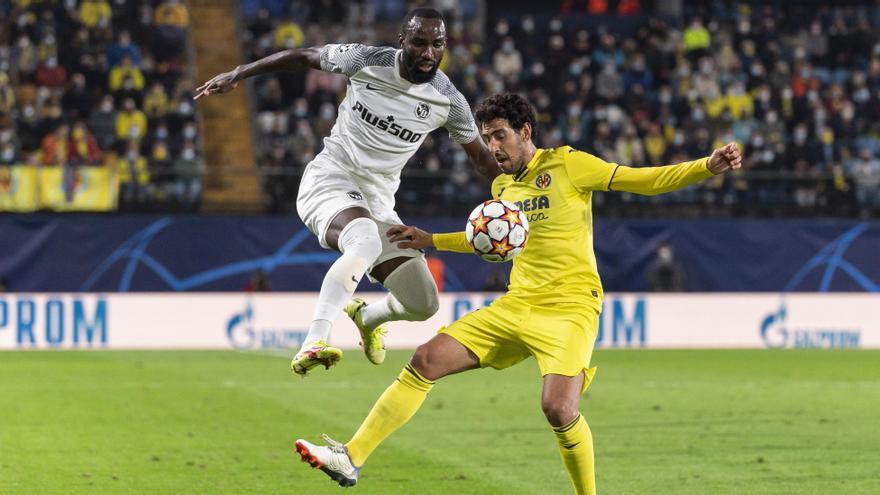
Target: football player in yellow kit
x=552 y=306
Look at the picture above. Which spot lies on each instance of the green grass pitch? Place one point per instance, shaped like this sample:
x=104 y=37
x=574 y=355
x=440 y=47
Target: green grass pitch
x=665 y=422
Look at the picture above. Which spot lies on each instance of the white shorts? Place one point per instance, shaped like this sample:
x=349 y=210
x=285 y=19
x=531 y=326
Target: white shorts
x=327 y=188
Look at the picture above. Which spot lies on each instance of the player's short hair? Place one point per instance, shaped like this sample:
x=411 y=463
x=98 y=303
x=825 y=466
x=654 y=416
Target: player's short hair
x=424 y=13
x=509 y=106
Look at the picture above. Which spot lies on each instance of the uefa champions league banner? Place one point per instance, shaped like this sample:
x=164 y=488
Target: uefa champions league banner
x=280 y=320
x=197 y=253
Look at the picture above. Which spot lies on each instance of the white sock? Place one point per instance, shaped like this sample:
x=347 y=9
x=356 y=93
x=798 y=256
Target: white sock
x=412 y=297
x=360 y=245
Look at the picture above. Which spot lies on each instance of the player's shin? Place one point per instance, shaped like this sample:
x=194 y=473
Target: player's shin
x=360 y=245
x=576 y=447
x=395 y=407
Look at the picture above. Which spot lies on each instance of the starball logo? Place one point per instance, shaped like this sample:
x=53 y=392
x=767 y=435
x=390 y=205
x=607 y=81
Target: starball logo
x=387 y=124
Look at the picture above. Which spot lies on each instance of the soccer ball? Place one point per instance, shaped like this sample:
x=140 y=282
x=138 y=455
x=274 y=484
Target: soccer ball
x=497 y=230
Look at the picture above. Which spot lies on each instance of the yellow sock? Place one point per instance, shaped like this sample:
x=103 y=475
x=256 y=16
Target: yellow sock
x=576 y=446
x=393 y=409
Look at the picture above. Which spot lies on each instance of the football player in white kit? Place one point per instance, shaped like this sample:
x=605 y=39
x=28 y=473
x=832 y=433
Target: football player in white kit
x=395 y=98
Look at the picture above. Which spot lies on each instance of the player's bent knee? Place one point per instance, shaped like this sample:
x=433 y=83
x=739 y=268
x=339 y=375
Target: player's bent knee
x=420 y=359
x=427 y=307
x=412 y=285
x=361 y=236
x=423 y=361
x=558 y=412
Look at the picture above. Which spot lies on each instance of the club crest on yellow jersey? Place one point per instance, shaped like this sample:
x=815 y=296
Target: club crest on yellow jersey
x=543 y=181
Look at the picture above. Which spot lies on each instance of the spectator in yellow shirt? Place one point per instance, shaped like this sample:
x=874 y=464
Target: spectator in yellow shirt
x=739 y=101
x=126 y=69
x=134 y=174
x=93 y=13
x=172 y=12
x=288 y=34
x=7 y=95
x=156 y=102
x=131 y=123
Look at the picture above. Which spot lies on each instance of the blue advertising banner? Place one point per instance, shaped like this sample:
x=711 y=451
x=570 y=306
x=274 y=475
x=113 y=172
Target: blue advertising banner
x=119 y=253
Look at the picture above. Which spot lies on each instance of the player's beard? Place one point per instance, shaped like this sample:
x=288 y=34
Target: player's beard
x=416 y=74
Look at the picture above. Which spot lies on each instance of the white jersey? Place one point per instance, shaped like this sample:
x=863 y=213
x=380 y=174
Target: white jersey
x=384 y=118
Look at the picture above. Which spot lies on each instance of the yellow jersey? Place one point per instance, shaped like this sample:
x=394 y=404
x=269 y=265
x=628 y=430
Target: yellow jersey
x=558 y=264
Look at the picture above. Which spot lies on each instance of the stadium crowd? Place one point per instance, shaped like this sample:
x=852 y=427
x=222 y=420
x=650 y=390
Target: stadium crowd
x=102 y=83
x=796 y=87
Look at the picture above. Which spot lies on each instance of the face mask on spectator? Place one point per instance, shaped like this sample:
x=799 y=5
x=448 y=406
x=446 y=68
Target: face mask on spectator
x=189 y=132
x=28 y=112
x=188 y=154
x=800 y=135
x=184 y=108
x=107 y=106
x=528 y=24
x=507 y=46
x=664 y=254
x=128 y=84
x=327 y=112
x=133 y=131
x=5 y=136
x=556 y=25
x=132 y=155
x=8 y=153
x=69 y=4
x=162 y=133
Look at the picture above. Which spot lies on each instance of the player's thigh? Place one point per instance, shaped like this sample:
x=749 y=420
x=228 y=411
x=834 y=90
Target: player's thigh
x=489 y=333
x=325 y=191
x=562 y=338
x=561 y=397
x=442 y=356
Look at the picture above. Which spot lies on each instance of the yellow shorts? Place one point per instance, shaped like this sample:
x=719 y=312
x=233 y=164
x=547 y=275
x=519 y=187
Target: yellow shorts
x=560 y=337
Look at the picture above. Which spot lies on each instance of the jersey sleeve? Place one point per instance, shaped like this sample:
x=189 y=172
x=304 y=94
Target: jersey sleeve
x=453 y=241
x=659 y=180
x=349 y=58
x=460 y=124
x=588 y=172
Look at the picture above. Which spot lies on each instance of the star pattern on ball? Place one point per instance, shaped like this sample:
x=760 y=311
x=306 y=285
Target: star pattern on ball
x=480 y=224
x=501 y=247
x=512 y=217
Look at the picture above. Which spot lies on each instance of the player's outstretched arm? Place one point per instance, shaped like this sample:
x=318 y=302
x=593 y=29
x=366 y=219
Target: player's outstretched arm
x=295 y=59
x=483 y=159
x=659 y=180
x=408 y=237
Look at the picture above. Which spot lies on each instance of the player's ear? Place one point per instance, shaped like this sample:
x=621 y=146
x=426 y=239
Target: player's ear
x=400 y=39
x=526 y=131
